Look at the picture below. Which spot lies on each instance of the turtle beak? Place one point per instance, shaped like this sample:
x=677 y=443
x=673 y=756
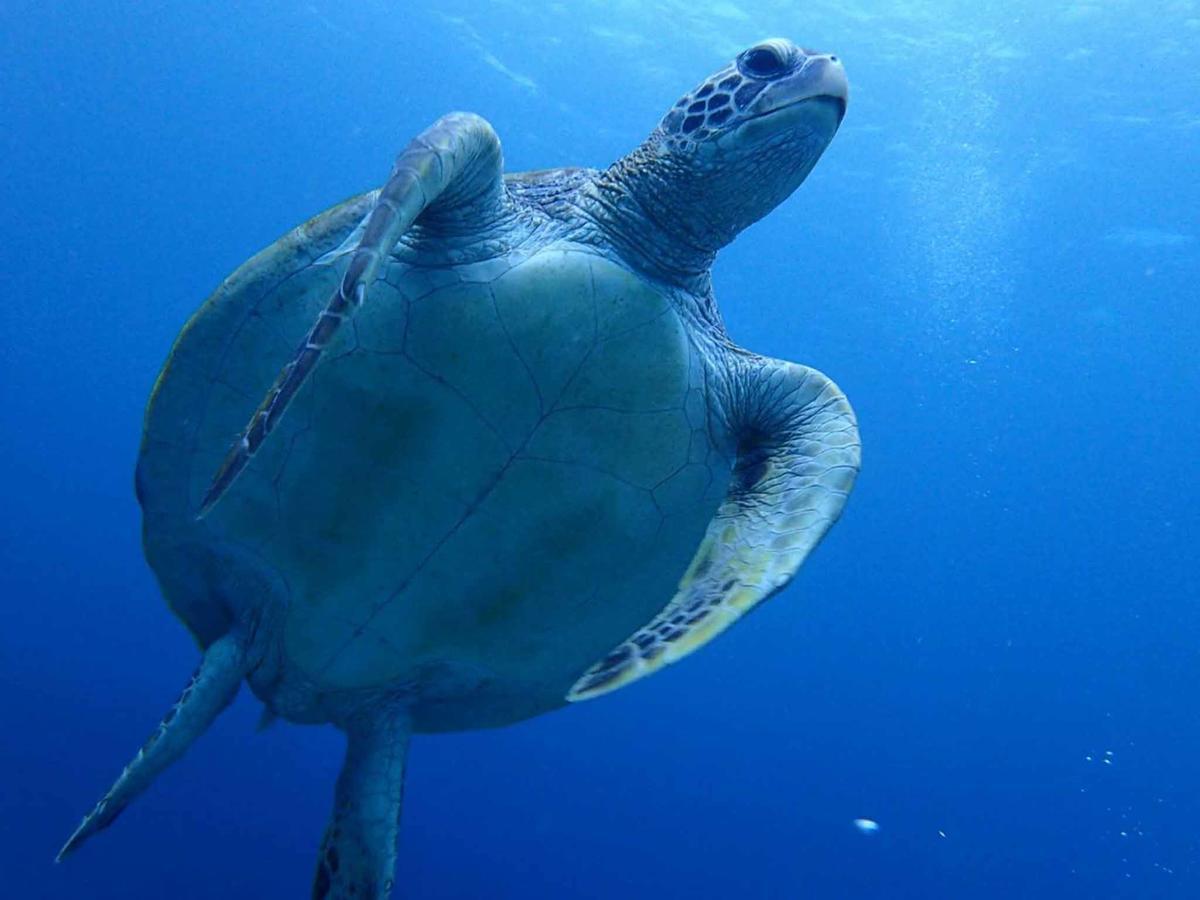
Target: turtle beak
x=829 y=81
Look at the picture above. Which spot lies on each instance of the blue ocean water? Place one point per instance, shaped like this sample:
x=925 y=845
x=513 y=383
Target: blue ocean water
x=994 y=655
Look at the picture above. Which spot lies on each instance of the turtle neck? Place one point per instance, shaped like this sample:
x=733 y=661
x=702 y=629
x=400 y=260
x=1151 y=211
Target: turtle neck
x=653 y=210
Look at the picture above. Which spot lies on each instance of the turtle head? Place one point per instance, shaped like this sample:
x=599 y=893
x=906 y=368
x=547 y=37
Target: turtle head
x=748 y=135
x=725 y=155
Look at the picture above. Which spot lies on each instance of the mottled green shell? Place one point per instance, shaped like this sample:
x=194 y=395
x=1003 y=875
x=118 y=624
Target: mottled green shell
x=497 y=474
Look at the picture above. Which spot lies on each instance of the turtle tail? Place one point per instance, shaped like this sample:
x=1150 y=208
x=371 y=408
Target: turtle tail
x=211 y=689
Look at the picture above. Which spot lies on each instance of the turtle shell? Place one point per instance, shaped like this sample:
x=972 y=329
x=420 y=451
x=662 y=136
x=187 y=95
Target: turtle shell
x=497 y=473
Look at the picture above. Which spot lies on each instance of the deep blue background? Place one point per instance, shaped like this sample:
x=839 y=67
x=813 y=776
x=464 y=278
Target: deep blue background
x=998 y=260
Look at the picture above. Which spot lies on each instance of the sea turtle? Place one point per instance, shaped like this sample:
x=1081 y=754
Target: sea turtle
x=521 y=464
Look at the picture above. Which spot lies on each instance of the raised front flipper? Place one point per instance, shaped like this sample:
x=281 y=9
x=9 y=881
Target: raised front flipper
x=210 y=691
x=796 y=463
x=453 y=165
x=358 y=853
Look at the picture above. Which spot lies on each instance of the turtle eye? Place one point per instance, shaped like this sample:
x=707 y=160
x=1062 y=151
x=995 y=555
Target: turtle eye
x=762 y=62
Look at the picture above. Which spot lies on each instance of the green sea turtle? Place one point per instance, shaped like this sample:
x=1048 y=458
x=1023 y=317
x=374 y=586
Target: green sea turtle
x=521 y=463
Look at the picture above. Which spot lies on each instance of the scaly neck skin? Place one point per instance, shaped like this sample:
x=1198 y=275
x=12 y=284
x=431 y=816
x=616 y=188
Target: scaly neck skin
x=467 y=224
x=654 y=211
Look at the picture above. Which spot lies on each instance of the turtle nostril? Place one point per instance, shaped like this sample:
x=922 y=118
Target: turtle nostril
x=833 y=59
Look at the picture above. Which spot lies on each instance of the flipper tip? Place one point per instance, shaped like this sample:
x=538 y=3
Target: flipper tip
x=86 y=829
x=604 y=678
x=97 y=820
x=231 y=467
x=206 y=505
x=216 y=490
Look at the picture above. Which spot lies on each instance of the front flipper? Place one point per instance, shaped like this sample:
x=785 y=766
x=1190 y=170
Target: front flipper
x=795 y=466
x=358 y=853
x=210 y=691
x=453 y=165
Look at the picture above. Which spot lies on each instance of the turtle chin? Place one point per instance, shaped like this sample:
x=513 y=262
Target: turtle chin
x=764 y=159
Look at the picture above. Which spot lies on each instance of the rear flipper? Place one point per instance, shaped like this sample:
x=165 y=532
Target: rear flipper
x=210 y=691
x=358 y=853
